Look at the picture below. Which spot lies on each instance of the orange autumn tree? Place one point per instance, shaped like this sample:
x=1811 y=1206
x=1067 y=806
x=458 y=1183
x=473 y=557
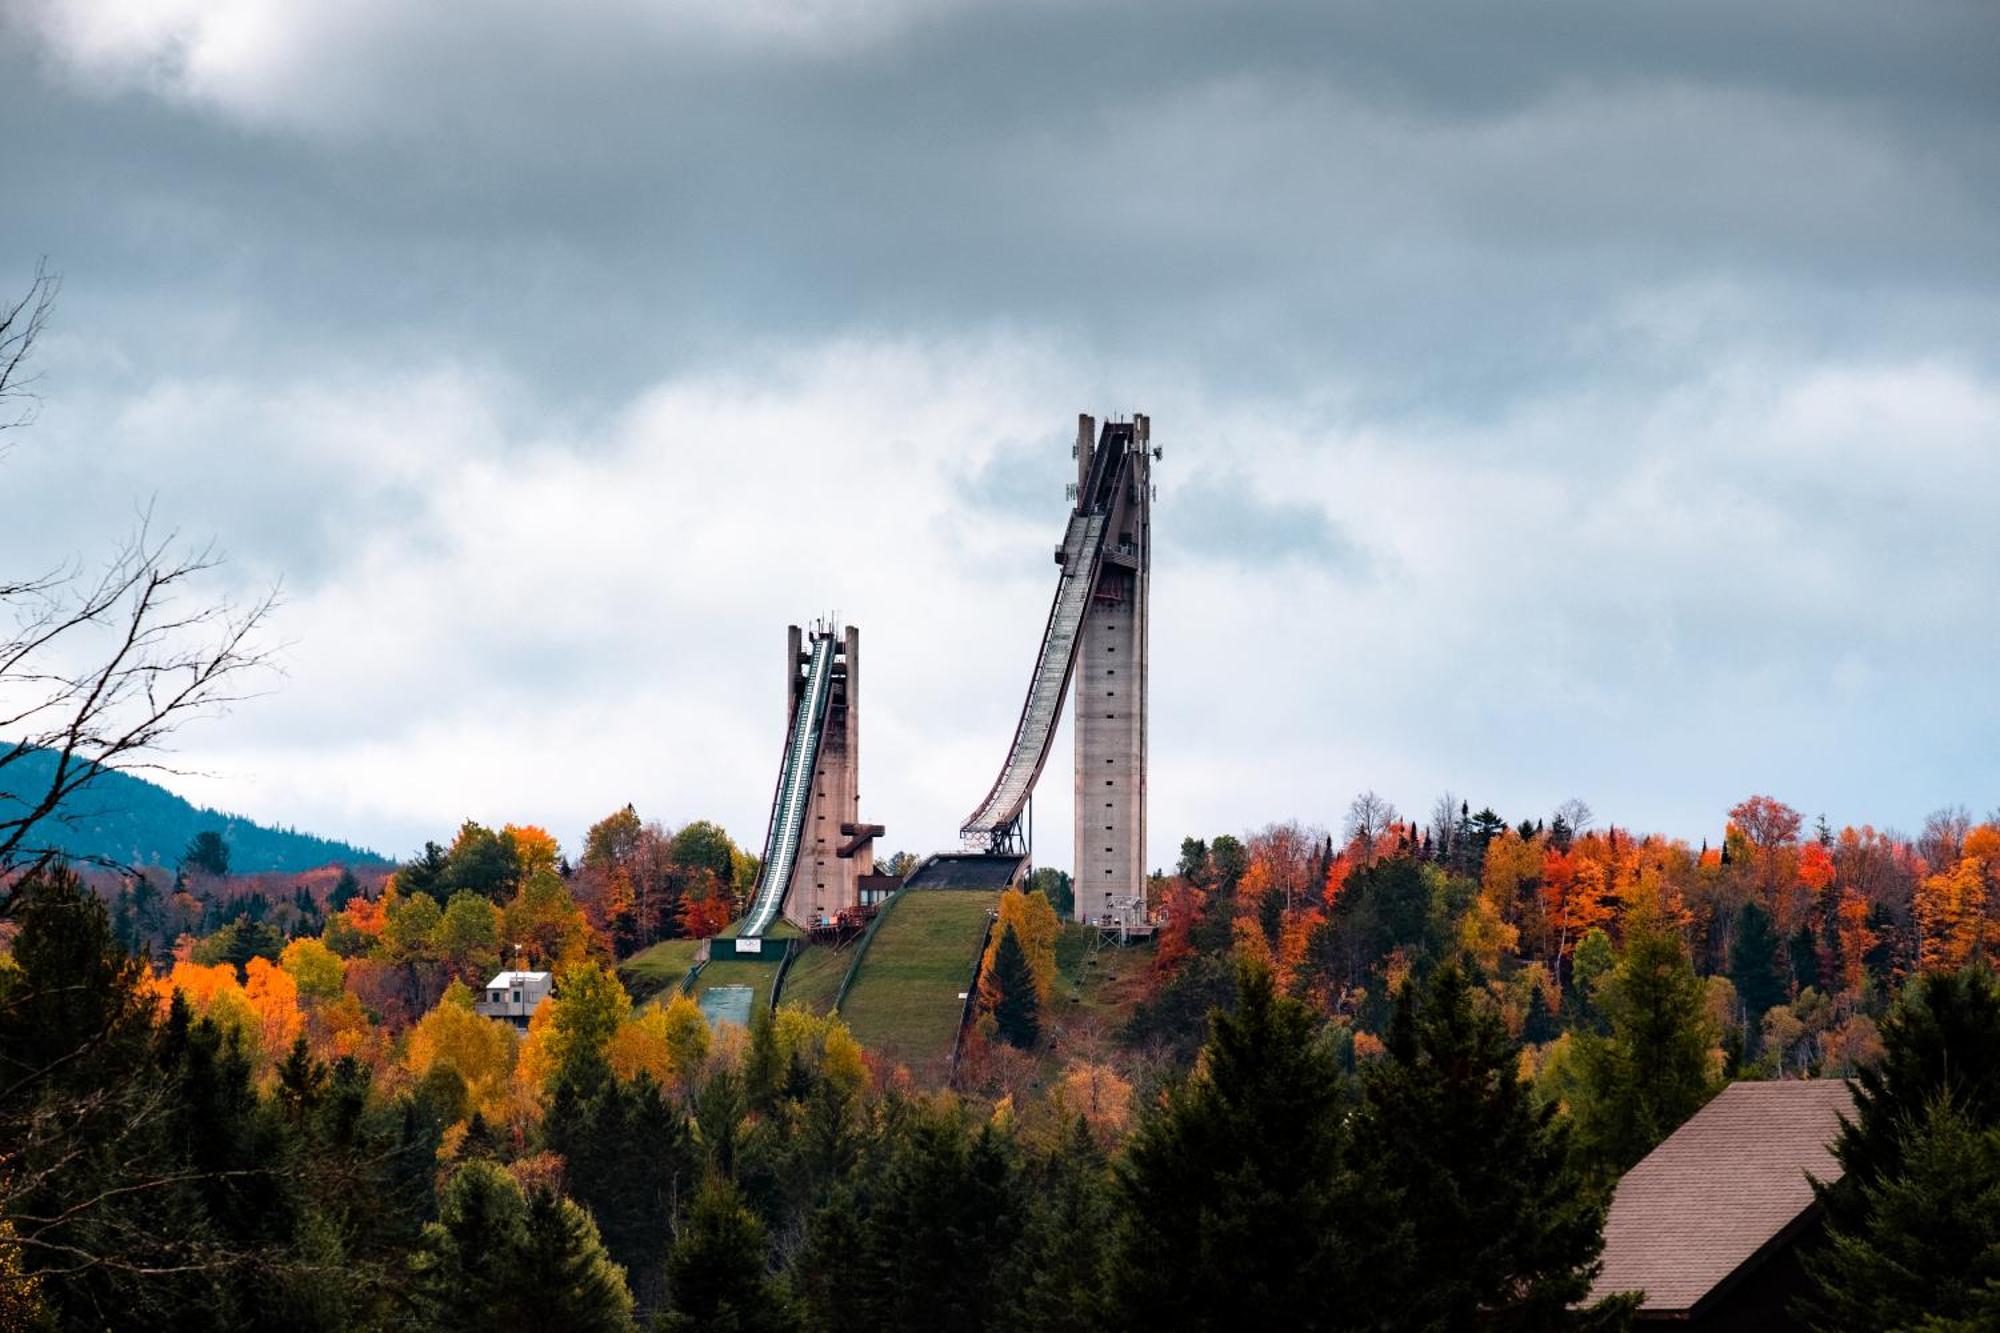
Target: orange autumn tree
x=534 y=848
x=1573 y=898
x=262 y=1011
x=704 y=916
x=274 y=995
x=1763 y=835
x=1857 y=938
x=1955 y=908
x=1510 y=885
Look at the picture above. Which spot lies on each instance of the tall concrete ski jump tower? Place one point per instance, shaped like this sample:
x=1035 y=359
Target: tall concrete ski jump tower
x=1110 y=685
x=817 y=848
x=1096 y=636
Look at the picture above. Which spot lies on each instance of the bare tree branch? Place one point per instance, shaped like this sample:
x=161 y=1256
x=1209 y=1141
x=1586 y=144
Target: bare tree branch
x=97 y=672
x=21 y=324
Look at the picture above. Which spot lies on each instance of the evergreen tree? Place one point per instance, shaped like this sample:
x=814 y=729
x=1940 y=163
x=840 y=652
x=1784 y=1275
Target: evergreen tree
x=1193 y=867
x=1539 y=1025
x=1231 y=1194
x=208 y=853
x=1941 y=1042
x=1059 y=1270
x=764 y=1069
x=425 y=873
x=719 y=1109
x=1271 y=917
x=1175 y=1017
x=494 y=1258
x=628 y=1153
x=1017 y=1012
x=1923 y=1250
x=718 y=1273
x=917 y=1241
x=566 y=1278
x=345 y=891
x=146 y=1183
x=1755 y=968
x=1450 y=1138
x=1229 y=860
x=1804 y=952
x=1652 y=1071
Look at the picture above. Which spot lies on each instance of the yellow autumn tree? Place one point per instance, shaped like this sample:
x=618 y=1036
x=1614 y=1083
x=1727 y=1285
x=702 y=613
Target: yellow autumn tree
x=575 y=1024
x=481 y=1050
x=641 y=1045
x=1950 y=908
x=1512 y=869
x=823 y=1044
x=1485 y=934
x=1100 y=1095
x=534 y=848
x=20 y=1290
x=688 y=1038
x=1037 y=927
x=318 y=970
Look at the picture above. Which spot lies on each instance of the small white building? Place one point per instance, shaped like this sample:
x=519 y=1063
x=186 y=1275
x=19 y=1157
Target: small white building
x=514 y=996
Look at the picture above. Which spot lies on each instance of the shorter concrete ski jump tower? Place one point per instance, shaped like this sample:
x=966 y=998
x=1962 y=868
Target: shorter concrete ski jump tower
x=817 y=848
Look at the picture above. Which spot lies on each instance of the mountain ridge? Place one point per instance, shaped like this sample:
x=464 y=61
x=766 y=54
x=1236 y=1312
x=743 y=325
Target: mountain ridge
x=128 y=820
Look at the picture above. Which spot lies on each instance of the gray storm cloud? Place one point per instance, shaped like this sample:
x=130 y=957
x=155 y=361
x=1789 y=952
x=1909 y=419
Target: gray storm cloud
x=1558 y=398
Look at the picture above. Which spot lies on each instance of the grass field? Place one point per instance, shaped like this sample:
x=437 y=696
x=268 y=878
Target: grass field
x=738 y=972
x=781 y=929
x=651 y=972
x=905 y=1001
x=815 y=977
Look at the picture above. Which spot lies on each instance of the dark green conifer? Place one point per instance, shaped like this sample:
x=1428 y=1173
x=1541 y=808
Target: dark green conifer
x=1804 y=952
x=1923 y=1246
x=718 y=1271
x=1652 y=1070
x=1017 y=1011
x=1059 y=1270
x=1455 y=1144
x=495 y=1258
x=1755 y=968
x=1941 y=1042
x=1231 y=1200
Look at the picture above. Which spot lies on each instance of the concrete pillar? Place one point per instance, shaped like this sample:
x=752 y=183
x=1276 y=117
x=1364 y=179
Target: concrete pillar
x=1086 y=429
x=824 y=883
x=1108 y=693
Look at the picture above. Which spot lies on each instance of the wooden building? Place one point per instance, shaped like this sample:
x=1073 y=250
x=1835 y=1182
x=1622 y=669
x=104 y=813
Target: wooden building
x=1709 y=1226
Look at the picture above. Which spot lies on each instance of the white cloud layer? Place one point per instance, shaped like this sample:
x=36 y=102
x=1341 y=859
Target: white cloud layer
x=541 y=621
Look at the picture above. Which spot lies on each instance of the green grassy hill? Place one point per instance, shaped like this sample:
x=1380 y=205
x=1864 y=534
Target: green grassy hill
x=657 y=971
x=814 y=977
x=905 y=1001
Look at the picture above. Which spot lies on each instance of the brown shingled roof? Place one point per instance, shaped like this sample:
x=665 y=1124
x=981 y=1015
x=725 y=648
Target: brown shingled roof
x=1724 y=1185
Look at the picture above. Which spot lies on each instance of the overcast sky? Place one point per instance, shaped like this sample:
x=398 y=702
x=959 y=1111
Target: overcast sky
x=1558 y=399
